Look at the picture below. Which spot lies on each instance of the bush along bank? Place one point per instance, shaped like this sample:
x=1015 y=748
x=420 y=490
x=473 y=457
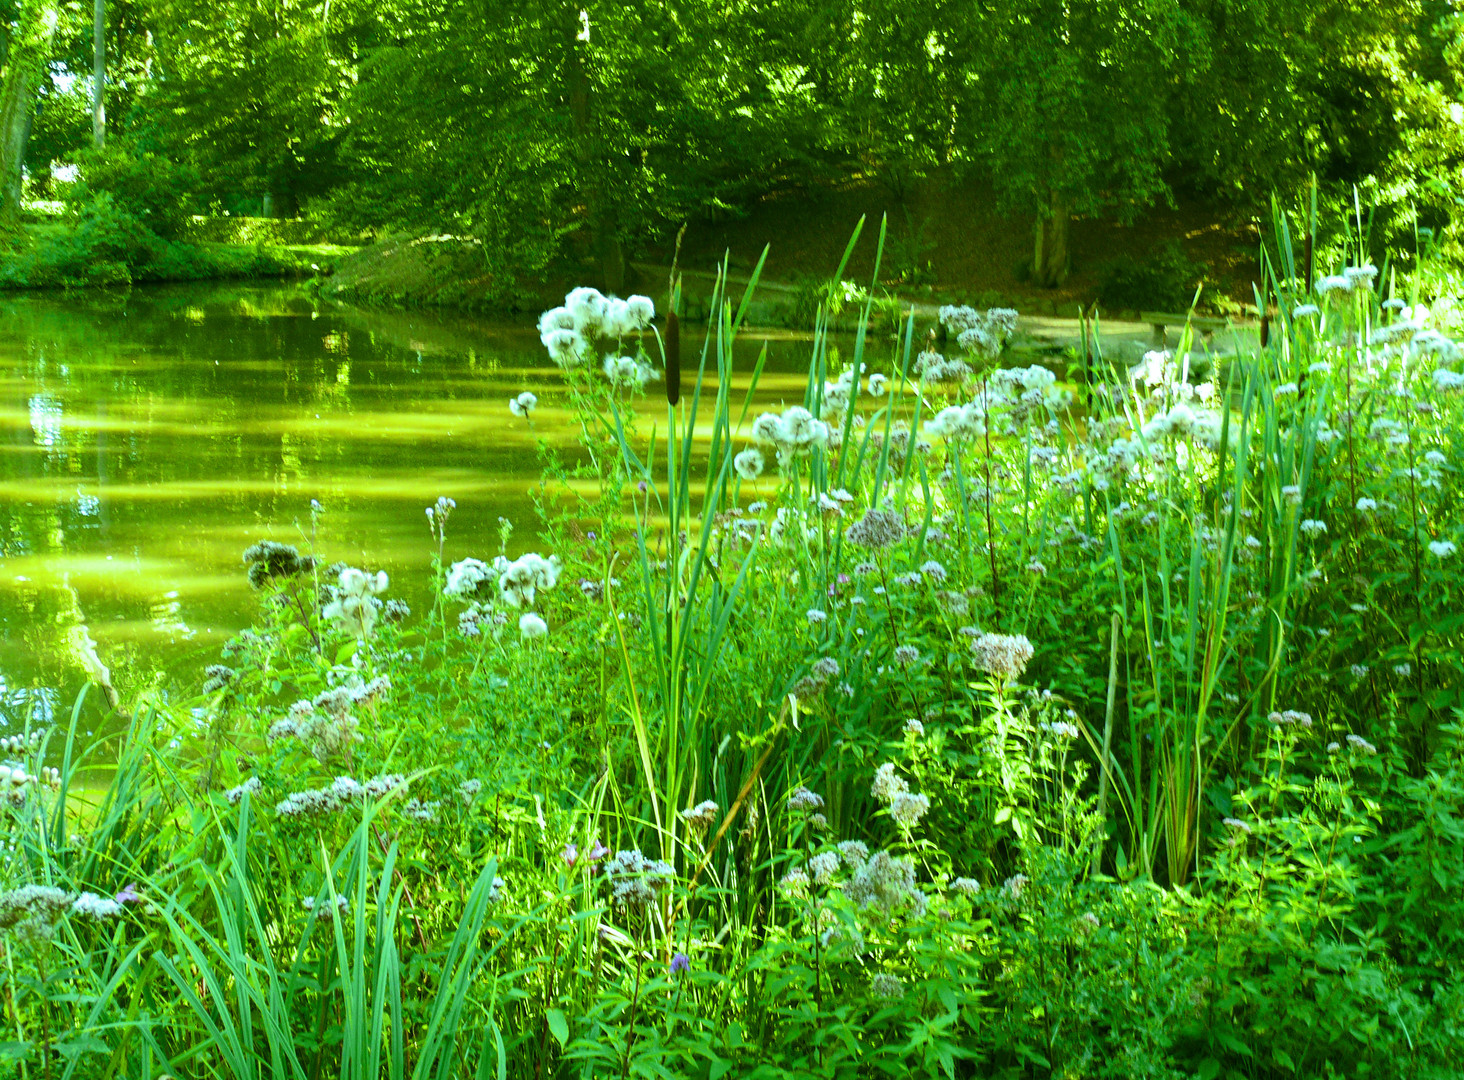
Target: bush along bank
x=924 y=724
x=127 y=220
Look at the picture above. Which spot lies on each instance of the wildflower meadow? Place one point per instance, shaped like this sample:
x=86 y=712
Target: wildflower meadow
x=968 y=713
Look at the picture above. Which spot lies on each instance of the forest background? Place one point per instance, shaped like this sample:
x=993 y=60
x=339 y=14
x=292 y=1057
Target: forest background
x=543 y=143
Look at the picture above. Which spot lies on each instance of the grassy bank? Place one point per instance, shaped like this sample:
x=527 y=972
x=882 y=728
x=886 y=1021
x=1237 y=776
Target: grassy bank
x=949 y=720
x=102 y=246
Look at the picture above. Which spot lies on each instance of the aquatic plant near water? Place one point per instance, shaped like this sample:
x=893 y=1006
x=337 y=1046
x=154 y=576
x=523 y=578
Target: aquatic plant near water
x=749 y=464
x=465 y=578
x=520 y=580
x=355 y=608
x=523 y=405
x=269 y=561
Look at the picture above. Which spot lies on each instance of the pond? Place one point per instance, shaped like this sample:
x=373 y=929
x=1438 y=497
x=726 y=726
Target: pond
x=147 y=438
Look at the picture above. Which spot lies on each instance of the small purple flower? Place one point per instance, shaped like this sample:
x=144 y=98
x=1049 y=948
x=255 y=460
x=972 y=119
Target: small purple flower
x=590 y=534
x=598 y=852
x=570 y=855
x=129 y=894
x=641 y=485
x=843 y=579
x=680 y=962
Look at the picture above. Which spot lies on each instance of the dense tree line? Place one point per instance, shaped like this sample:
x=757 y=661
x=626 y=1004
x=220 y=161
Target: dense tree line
x=547 y=126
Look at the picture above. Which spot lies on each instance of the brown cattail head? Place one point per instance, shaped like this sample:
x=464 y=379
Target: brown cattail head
x=1307 y=284
x=673 y=358
x=1265 y=329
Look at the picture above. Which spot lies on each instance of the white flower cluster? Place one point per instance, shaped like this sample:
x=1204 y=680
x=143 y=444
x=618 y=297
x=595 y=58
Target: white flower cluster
x=906 y=808
x=250 y=787
x=326 y=724
x=569 y=332
x=793 y=434
x=957 y=422
x=420 y=810
x=1358 y=743
x=16 y=783
x=983 y=334
x=523 y=405
x=749 y=464
x=342 y=794
x=932 y=367
x=886 y=885
x=32 y=911
x=355 y=608
x=1003 y=655
x=519 y=580
x=635 y=881
x=323 y=912
x=700 y=816
x=14 y=744
x=1351 y=279
x=627 y=372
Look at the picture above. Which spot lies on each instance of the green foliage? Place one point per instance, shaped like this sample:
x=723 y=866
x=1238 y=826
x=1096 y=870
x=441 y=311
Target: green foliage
x=1164 y=281
x=147 y=187
x=754 y=772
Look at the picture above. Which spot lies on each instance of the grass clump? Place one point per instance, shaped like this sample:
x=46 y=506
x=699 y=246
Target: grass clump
x=944 y=720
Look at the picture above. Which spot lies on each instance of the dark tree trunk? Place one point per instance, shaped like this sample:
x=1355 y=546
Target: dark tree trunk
x=1050 y=259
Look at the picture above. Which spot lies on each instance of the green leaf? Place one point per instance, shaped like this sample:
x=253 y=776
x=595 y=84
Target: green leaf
x=558 y=1025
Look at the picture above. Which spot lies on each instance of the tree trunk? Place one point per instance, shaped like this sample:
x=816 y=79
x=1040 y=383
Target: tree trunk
x=99 y=74
x=1050 y=258
x=605 y=246
x=25 y=67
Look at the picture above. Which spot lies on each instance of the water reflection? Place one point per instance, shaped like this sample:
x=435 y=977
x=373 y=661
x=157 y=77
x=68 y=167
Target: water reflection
x=147 y=438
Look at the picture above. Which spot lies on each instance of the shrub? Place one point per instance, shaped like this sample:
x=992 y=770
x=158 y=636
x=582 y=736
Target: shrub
x=1163 y=281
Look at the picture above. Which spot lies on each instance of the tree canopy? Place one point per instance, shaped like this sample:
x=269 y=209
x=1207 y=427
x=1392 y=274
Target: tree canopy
x=548 y=129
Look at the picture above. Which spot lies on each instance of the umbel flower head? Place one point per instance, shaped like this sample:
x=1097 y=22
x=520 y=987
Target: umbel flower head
x=635 y=881
x=1003 y=655
x=700 y=816
x=886 y=885
x=523 y=405
x=269 y=561
x=877 y=529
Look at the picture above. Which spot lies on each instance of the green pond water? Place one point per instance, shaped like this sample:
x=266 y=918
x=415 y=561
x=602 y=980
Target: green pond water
x=147 y=438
